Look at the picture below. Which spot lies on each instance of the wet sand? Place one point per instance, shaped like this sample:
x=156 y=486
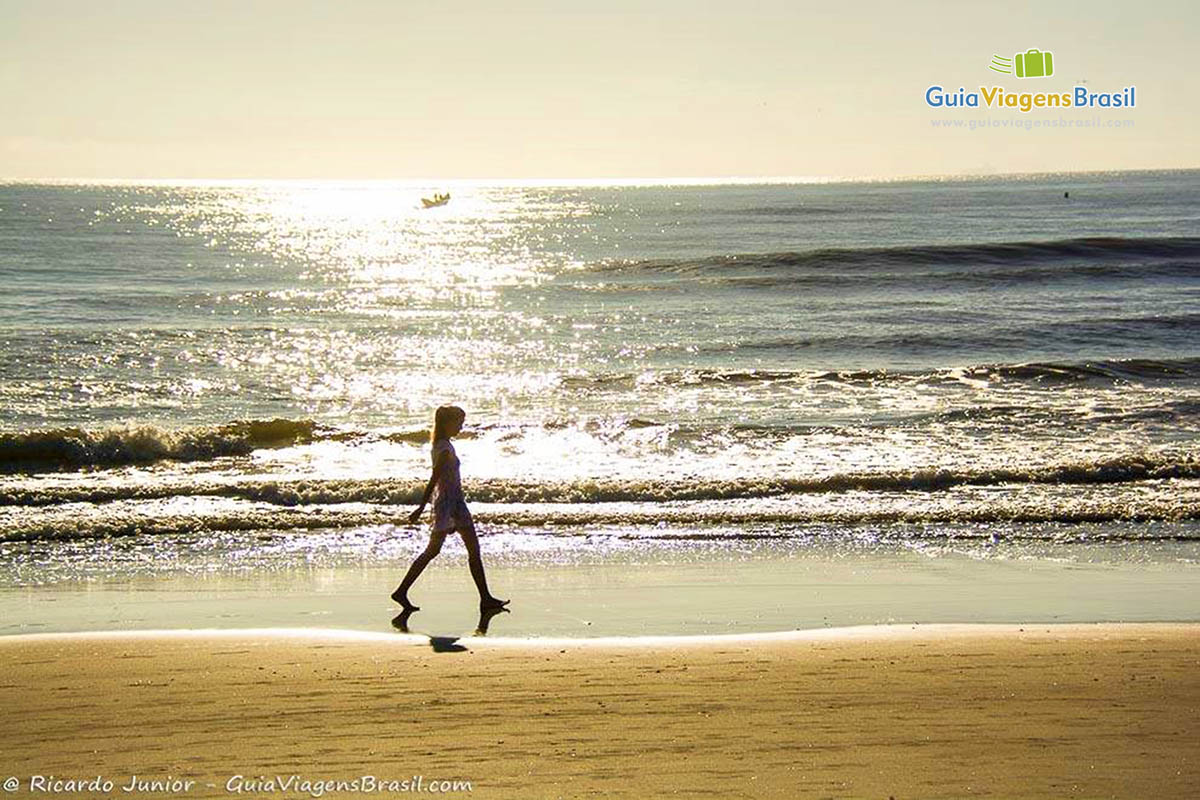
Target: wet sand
x=667 y=588
x=904 y=711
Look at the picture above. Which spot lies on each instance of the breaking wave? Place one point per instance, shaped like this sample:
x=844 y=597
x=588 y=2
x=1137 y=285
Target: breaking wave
x=1112 y=371
x=77 y=447
x=1087 y=253
x=1127 y=469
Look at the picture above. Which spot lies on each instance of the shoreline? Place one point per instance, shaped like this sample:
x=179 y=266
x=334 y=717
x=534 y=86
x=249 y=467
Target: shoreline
x=847 y=633
x=943 y=711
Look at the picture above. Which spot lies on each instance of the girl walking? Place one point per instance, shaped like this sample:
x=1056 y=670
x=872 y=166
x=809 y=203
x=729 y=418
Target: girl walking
x=450 y=512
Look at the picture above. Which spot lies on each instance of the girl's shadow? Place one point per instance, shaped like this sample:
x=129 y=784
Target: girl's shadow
x=447 y=644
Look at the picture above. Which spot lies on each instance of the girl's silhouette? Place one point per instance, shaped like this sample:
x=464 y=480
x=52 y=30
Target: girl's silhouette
x=450 y=512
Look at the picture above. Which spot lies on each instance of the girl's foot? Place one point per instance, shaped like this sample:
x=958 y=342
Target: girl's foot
x=491 y=603
x=402 y=599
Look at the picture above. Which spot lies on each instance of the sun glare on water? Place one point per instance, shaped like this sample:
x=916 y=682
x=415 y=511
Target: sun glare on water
x=374 y=243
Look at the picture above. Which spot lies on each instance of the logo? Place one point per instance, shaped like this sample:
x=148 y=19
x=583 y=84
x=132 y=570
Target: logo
x=1033 y=63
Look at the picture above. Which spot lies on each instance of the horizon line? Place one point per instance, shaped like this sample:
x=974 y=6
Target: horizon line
x=711 y=180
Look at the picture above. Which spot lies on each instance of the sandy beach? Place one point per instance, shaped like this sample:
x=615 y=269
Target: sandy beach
x=876 y=711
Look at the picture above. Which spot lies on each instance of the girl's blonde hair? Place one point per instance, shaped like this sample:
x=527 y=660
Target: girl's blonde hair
x=442 y=418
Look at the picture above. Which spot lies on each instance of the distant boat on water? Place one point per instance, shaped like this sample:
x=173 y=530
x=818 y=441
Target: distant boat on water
x=436 y=200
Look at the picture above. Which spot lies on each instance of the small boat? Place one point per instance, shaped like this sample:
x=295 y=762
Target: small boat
x=436 y=200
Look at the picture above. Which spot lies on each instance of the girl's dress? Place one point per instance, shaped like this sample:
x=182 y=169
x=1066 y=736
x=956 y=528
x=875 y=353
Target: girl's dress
x=449 y=507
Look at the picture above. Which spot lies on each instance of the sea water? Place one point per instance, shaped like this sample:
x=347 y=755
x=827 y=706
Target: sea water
x=242 y=375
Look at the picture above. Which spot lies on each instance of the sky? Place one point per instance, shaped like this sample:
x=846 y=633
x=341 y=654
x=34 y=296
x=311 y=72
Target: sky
x=393 y=89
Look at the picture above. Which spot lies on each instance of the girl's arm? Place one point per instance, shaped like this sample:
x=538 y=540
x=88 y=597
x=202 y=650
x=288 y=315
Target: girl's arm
x=437 y=467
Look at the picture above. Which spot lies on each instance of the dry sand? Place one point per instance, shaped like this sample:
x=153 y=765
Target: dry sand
x=941 y=711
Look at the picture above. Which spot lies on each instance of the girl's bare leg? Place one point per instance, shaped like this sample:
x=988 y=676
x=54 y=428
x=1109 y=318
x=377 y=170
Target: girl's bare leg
x=418 y=566
x=475 y=560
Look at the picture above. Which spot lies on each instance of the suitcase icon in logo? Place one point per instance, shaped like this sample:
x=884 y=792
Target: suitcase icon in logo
x=1034 y=64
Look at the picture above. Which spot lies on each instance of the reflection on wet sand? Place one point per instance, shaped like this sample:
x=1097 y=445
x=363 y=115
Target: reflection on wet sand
x=447 y=644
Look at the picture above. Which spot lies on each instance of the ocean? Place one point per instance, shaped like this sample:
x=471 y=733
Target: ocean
x=214 y=378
